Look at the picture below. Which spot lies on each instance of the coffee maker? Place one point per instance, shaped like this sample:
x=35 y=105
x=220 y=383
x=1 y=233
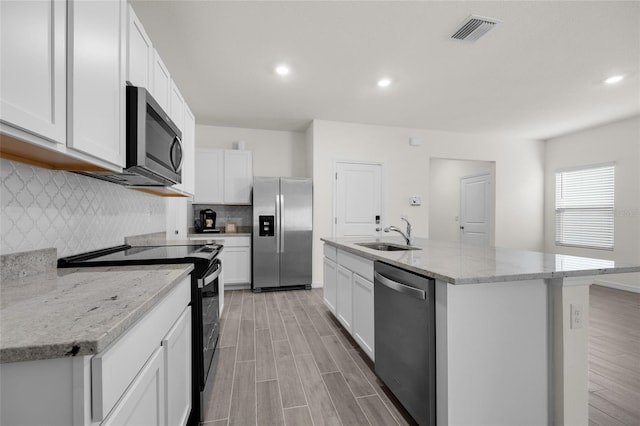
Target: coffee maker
x=208 y=220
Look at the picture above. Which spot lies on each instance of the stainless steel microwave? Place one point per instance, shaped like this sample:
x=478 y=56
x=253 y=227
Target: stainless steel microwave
x=153 y=145
x=154 y=142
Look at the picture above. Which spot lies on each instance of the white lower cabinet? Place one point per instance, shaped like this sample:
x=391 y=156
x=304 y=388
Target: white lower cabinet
x=148 y=367
x=329 y=272
x=177 y=366
x=344 y=304
x=142 y=378
x=144 y=401
x=363 y=316
x=236 y=262
x=349 y=294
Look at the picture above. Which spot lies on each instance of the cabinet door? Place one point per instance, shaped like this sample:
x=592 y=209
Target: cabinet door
x=329 y=273
x=209 y=176
x=144 y=400
x=363 y=314
x=97 y=62
x=139 y=53
x=237 y=265
x=161 y=82
x=177 y=364
x=189 y=146
x=34 y=72
x=176 y=106
x=344 y=302
x=238 y=176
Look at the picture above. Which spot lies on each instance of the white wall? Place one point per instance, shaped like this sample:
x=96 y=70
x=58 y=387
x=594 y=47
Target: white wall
x=618 y=142
x=444 y=196
x=519 y=177
x=275 y=153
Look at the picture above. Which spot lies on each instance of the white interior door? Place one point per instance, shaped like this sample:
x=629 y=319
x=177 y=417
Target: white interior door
x=475 y=209
x=357 y=199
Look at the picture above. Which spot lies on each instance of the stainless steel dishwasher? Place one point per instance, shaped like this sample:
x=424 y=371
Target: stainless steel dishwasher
x=405 y=338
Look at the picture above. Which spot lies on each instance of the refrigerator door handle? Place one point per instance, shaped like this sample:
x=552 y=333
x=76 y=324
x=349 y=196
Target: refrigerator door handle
x=278 y=212
x=281 y=222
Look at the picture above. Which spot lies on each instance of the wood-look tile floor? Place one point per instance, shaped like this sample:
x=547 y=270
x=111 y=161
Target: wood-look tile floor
x=614 y=357
x=284 y=360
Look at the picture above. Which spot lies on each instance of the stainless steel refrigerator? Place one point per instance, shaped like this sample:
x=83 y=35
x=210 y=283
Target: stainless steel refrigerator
x=282 y=224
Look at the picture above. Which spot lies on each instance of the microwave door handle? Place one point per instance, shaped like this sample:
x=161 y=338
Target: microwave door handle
x=176 y=141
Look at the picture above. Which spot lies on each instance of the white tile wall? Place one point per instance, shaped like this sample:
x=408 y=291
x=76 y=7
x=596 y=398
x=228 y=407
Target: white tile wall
x=47 y=208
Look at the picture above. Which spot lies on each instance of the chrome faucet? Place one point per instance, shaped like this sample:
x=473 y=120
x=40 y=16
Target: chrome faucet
x=406 y=236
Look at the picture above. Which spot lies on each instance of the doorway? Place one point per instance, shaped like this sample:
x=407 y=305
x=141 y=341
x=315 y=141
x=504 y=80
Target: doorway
x=357 y=199
x=445 y=196
x=475 y=209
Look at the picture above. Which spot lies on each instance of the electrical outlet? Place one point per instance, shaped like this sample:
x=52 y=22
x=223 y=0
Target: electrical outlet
x=415 y=200
x=577 y=316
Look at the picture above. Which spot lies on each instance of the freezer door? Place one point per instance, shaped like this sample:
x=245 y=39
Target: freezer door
x=266 y=256
x=295 y=245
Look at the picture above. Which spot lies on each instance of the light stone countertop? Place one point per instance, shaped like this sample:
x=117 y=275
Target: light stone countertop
x=78 y=311
x=458 y=263
x=214 y=235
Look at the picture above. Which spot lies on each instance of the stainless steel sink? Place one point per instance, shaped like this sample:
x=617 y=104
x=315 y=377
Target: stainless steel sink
x=386 y=246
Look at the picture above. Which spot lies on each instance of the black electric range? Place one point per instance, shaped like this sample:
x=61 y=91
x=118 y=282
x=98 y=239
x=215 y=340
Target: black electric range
x=204 y=300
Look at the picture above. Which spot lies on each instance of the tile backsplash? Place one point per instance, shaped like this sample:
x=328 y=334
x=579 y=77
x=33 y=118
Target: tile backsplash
x=241 y=215
x=44 y=208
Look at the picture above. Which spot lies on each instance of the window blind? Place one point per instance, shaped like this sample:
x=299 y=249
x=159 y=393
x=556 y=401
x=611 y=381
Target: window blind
x=585 y=207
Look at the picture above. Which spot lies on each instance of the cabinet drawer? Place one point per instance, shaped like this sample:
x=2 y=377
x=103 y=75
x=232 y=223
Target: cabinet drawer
x=236 y=241
x=330 y=252
x=115 y=368
x=357 y=264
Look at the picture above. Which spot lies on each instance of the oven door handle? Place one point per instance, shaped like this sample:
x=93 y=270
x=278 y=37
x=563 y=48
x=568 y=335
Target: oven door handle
x=210 y=278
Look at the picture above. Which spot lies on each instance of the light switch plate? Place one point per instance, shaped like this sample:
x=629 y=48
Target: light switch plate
x=415 y=200
x=577 y=316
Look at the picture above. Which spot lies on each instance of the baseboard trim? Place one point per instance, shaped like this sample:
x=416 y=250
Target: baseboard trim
x=241 y=286
x=616 y=285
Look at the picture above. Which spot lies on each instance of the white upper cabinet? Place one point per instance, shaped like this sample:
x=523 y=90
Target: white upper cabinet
x=33 y=78
x=238 y=176
x=176 y=106
x=97 y=63
x=189 y=144
x=223 y=176
x=209 y=185
x=160 y=87
x=139 y=53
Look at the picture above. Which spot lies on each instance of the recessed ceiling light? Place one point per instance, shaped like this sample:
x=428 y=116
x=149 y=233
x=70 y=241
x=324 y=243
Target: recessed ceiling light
x=282 y=70
x=384 y=82
x=614 y=79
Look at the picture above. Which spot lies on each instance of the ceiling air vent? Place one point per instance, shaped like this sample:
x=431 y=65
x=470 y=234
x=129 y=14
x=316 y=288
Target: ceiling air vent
x=474 y=27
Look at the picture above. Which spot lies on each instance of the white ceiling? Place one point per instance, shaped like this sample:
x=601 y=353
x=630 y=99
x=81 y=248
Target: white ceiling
x=537 y=74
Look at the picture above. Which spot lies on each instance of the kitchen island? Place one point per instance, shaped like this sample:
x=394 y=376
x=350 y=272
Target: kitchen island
x=507 y=350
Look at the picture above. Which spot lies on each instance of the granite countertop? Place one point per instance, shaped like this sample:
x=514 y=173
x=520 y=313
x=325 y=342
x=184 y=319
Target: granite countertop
x=78 y=311
x=458 y=263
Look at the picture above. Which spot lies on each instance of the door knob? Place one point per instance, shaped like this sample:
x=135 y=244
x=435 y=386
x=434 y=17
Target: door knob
x=462 y=227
